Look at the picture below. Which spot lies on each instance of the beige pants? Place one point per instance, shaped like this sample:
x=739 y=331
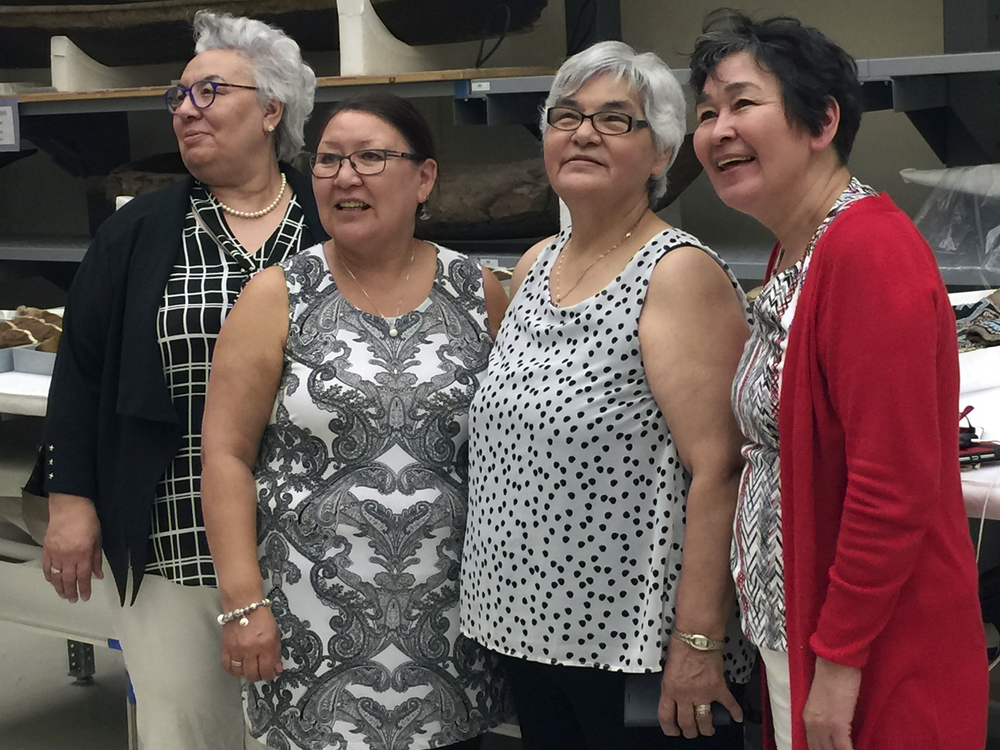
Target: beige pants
x=171 y=643
x=776 y=668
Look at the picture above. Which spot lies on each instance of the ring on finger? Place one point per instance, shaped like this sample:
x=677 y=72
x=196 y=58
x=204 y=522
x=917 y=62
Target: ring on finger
x=703 y=709
x=55 y=571
x=235 y=663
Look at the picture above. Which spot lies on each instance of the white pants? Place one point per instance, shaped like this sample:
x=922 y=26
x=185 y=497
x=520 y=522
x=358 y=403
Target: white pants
x=171 y=643
x=776 y=669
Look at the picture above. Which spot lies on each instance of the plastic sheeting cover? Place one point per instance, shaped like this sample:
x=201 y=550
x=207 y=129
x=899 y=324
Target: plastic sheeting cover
x=961 y=218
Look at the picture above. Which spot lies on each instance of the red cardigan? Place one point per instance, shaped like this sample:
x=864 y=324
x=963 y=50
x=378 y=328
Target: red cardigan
x=879 y=565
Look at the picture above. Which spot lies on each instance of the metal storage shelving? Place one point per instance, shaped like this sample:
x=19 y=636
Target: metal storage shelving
x=940 y=94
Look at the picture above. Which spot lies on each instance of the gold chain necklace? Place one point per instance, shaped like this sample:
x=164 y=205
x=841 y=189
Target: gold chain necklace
x=255 y=214
x=562 y=255
x=393 y=331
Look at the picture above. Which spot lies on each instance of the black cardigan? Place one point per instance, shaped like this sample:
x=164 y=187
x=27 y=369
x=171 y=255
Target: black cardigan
x=111 y=428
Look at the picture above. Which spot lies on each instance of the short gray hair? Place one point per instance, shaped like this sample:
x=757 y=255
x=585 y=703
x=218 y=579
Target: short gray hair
x=278 y=70
x=659 y=91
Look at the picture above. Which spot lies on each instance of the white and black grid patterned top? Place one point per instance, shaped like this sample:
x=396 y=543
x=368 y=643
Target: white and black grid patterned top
x=201 y=290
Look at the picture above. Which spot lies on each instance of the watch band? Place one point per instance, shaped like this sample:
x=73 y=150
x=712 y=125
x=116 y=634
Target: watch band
x=697 y=641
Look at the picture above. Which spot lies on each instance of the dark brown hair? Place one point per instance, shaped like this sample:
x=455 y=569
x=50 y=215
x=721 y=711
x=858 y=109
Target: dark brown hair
x=811 y=68
x=396 y=111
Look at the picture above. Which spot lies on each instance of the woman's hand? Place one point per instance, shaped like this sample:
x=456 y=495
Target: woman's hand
x=237 y=409
x=691 y=376
x=254 y=651
x=830 y=707
x=71 y=553
x=693 y=678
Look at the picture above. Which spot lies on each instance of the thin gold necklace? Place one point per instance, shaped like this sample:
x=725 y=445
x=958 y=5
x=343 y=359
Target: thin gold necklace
x=562 y=255
x=255 y=214
x=393 y=331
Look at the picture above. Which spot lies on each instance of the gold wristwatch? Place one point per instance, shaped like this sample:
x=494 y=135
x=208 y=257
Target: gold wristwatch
x=697 y=641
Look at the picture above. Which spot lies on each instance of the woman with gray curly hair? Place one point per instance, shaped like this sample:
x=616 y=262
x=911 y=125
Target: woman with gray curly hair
x=604 y=456
x=121 y=461
x=278 y=70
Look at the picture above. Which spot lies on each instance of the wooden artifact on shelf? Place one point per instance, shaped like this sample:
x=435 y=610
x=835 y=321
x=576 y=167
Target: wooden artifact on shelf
x=31 y=326
x=470 y=201
x=475 y=201
x=158 y=31
x=490 y=202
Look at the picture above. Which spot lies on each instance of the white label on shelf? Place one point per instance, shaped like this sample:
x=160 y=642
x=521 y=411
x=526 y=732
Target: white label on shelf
x=10 y=139
x=480 y=85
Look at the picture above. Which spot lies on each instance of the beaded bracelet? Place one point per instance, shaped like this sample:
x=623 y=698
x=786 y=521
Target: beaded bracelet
x=242 y=612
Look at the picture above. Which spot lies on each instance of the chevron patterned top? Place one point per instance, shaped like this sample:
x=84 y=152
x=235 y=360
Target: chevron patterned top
x=756 y=555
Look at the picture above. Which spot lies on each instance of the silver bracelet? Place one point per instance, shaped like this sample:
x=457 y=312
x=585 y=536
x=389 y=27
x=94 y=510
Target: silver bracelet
x=242 y=612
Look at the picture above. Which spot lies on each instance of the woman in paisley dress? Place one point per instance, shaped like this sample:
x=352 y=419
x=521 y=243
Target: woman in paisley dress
x=335 y=461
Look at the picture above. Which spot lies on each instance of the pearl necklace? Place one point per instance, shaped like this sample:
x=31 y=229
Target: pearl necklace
x=562 y=255
x=393 y=331
x=255 y=214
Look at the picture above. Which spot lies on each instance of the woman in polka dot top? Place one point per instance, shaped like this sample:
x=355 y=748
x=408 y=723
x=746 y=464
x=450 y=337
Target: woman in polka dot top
x=604 y=456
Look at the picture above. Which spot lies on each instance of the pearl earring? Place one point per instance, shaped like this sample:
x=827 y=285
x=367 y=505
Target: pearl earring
x=270 y=128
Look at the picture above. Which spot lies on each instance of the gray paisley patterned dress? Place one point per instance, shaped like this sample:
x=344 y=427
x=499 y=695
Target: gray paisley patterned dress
x=362 y=485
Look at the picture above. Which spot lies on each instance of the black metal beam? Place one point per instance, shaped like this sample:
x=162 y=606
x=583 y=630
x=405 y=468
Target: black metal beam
x=971 y=25
x=590 y=21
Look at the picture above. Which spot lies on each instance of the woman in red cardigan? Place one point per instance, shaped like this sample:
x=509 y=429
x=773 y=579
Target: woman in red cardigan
x=851 y=551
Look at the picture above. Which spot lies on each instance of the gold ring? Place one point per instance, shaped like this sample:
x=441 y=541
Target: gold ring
x=55 y=571
x=703 y=709
x=236 y=663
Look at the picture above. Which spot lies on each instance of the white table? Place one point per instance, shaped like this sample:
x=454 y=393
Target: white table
x=23 y=393
x=980 y=388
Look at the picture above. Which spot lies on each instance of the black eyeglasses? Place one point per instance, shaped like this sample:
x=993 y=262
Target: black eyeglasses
x=607 y=123
x=367 y=161
x=201 y=93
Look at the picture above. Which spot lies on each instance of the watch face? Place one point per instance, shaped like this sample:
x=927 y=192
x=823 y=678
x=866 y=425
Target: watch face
x=701 y=641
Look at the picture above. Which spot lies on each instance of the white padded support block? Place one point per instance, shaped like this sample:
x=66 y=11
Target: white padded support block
x=19 y=550
x=74 y=70
x=27 y=599
x=368 y=48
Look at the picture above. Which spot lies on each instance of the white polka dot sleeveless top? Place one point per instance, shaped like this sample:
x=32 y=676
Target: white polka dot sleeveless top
x=577 y=497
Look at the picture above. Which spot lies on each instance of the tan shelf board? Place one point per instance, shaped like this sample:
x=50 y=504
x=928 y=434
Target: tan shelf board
x=139 y=92
x=461 y=74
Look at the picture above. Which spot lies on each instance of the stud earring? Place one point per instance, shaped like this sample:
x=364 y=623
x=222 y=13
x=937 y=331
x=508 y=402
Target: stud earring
x=270 y=128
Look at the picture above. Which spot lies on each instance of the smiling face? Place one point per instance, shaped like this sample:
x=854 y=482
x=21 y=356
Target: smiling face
x=751 y=152
x=357 y=207
x=218 y=139
x=585 y=164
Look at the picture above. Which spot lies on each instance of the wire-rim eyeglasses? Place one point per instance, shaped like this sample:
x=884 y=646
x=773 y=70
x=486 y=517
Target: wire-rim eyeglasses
x=366 y=161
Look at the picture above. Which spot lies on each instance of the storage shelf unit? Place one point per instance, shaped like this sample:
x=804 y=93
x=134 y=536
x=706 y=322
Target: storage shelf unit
x=44 y=248
x=941 y=94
